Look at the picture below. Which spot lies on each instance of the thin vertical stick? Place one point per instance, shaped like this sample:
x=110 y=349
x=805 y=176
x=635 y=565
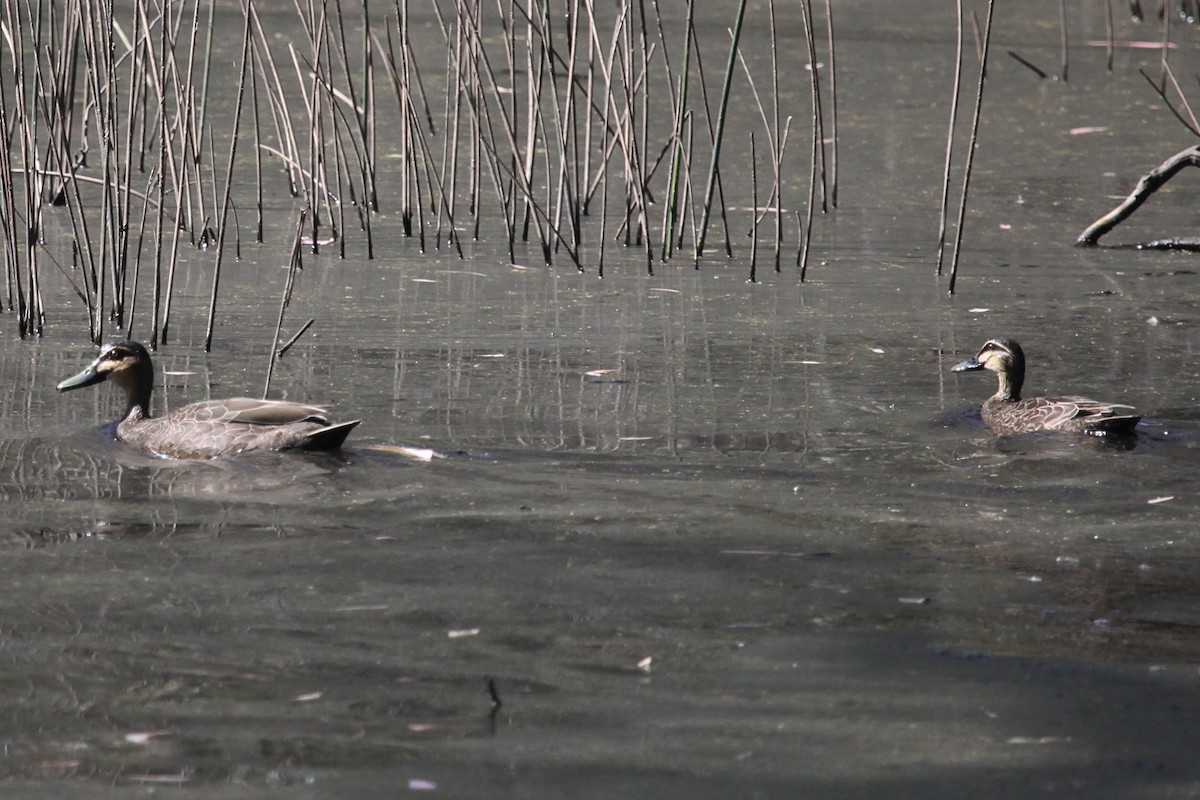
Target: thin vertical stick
x=753 y=209
x=295 y=263
x=815 y=150
x=958 y=61
x=1062 y=37
x=137 y=261
x=672 y=208
x=258 y=173
x=833 y=110
x=815 y=85
x=1109 y=44
x=962 y=206
x=233 y=138
x=720 y=132
x=710 y=124
x=8 y=200
x=1166 y=42
x=776 y=146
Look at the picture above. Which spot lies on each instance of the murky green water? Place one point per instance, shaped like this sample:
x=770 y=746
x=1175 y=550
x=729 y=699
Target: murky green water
x=705 y=538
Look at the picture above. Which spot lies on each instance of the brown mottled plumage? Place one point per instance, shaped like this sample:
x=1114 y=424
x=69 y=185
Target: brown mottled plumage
x=210 y=428
x=1006 y=413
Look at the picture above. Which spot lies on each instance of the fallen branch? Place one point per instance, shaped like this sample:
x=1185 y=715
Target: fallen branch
x=1151 y=182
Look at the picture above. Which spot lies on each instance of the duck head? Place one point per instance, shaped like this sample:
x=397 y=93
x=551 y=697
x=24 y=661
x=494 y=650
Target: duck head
x=1004 y=357
x=127 y=364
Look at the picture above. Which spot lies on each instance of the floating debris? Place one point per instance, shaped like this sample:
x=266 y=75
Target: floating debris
x=755 y=552
x=174 y=778
x=1135 y=45
x=416 y=453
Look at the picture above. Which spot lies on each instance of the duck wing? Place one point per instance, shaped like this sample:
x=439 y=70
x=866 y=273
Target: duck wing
x=1078 y=413
x=249 y=411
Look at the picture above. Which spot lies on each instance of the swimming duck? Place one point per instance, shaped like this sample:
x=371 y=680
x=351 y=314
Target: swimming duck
x=1006 y=413
x=210 y=428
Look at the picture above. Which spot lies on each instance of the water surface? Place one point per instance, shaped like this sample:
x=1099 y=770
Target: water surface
x=705 y=538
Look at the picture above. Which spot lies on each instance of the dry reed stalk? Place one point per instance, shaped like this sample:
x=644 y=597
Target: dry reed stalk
x=816 y=144
x=407 y=179
x=1166 y=47
x=258 y=150
x=962 y=203
x=295 y=264
x=528 y=156
x=420 y=147
x=137 y=87
x=1062 y=40
x=453 y=120
x=222 y=229
x=719 y=135
x=810 y=37
x=623 y=132
x=589 y=89
x=833 y=108
x=710 y=124
x=370 y=128
x=672 y=208
x=137 y=261
x=560 y=183
x=1109 y=36
x=160 y=324
x=572 y=177
x=625 y=121
x=945 y=207
x=689 y=190
x=63 y=55
x=777 y=140
x=602 y=170
x=641 y=114
x=13 y=120
x=360 y=107
x=776 y=147
x=288 y=150
x=753 y=210
x=508 y=126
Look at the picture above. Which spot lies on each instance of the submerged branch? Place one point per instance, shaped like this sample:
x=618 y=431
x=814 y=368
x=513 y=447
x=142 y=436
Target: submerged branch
x=1151 y=182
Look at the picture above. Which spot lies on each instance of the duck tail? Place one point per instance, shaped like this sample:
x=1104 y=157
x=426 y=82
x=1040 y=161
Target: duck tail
x=1118 y=426
x=330 y=437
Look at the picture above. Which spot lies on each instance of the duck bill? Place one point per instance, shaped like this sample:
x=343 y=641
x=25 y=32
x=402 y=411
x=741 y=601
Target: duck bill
x=966 y=366
x=86 y=378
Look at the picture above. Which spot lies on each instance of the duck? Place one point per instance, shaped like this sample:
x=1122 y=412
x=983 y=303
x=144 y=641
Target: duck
x=1006 y=413
x=208 y=429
